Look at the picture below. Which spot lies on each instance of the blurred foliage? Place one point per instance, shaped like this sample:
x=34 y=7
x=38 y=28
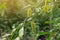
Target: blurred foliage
x=30 y=19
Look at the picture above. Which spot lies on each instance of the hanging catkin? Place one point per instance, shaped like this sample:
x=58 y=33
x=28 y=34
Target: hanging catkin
x=46 y=6
x=33 y=25
x=29 y=12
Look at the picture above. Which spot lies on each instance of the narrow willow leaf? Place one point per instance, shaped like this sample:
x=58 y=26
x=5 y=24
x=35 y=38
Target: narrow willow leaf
x=21 y=32
x=52 y=32
x=50 y=35
x=42 y=33
x=15 y=32
x=13 y=26
x=29 y=12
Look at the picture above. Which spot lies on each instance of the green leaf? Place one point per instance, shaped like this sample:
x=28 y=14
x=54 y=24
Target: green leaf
x=42 y=33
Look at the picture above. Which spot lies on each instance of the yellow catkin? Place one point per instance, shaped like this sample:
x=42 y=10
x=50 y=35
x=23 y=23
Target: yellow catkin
x=3 y=6
x=33 y=25
x=46 y=1
x=29 y=12
x=46 y=6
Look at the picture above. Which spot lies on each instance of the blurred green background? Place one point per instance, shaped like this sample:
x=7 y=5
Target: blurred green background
x=29 y=19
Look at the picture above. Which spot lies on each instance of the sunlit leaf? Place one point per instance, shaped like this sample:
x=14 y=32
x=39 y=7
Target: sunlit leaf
x=21 y=32
x=17 y=38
